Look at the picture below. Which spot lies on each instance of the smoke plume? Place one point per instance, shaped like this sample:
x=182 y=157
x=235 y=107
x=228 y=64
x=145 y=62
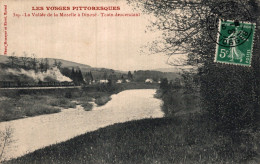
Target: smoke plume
x=53 y=73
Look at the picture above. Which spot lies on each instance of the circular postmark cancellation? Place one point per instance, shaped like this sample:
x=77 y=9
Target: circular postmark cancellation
x=230 y=26
x=229 y=33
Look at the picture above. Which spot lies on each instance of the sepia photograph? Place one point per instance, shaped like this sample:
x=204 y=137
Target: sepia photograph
x=129 y=81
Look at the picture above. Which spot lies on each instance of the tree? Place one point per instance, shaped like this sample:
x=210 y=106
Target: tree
x=105 y=76
x=91 y=76
x=66 y=72
x=76 y=77
x=46 y=65
x=73 y=75
x=164 y=84
x=25 y=60
x=57 y=64
x=6 y=139
x=13 y=60
x=230 y=94
x=80 y=77
x=129 y=75
x=41 y=65
x=33 y=62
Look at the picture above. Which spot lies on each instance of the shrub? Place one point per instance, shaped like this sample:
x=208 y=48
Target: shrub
x=172 y=103
x=62 y=102
x=38 y=109
x=102 y=100
x=9 y=111
x=87 y=106
x=14 y=109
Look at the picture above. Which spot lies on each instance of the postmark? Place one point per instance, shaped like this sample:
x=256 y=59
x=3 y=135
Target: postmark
x=227 y=11
x=235 y=43
x=229 y=25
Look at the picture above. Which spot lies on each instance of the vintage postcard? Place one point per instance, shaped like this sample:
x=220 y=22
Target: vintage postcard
x=129 y=81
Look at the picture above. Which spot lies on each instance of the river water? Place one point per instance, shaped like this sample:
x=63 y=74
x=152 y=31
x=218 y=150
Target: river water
x=32 y=133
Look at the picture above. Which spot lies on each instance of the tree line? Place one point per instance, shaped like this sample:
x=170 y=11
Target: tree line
x=229 y=94
x=31 y=63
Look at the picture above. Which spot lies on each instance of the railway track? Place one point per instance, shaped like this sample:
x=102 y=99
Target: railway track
x=39 y=88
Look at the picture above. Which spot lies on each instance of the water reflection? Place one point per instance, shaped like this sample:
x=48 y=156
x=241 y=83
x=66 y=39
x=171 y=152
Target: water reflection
x=33 y=133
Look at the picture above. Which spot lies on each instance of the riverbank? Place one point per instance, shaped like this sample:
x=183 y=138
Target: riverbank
x=32 y=133
x=185 y=139
x=16 y=104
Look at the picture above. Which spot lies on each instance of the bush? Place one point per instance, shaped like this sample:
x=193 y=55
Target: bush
x=172 y=103
x=9 y=111
x=62 y=102
x=26 y=106
x=158 y=94
x=179 y=98
x=230 y=101
x=39 y=109
x=102 y=100
x=87 y=106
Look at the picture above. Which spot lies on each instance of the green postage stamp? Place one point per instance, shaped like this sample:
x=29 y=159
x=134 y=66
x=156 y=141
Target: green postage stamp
x=235 y=43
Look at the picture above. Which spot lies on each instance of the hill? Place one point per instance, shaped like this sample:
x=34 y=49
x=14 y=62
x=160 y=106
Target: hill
x=66 y=67
x=174 y=69
x=65 y=63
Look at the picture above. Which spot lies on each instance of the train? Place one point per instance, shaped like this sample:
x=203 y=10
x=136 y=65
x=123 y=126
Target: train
x=14 y=84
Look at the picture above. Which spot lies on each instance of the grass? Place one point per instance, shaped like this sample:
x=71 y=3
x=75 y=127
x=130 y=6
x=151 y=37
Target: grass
x=186 y=139
x=25 y=106
x=15 y=104
x=21 y=103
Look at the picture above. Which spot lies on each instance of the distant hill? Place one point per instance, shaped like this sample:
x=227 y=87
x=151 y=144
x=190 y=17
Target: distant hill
x=65 y=63
x=173 y=69
x=98 y=73
x=142 y=75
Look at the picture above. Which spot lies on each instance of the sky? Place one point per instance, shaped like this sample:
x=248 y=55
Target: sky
x=109 y=42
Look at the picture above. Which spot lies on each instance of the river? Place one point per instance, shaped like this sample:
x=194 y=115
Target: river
x=32 y=133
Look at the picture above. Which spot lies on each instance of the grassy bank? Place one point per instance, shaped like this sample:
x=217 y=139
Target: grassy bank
x=186 y=139
x=15 y=104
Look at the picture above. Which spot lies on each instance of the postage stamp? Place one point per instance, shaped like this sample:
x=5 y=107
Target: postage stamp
x=234 y=42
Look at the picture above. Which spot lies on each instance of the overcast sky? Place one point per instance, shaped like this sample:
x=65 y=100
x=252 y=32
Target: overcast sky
x=110 y=42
